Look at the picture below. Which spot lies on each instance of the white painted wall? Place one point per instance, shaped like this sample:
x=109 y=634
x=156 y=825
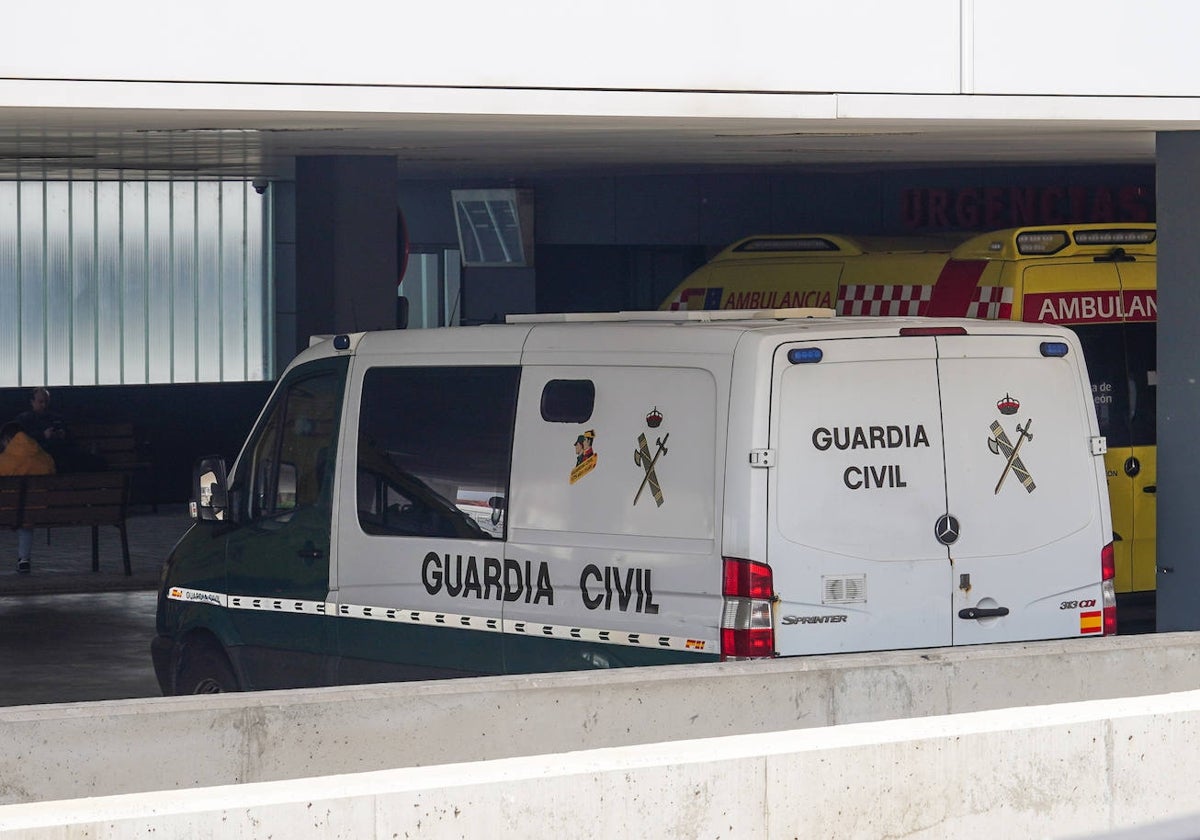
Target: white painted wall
x=699 y=45
x=1001 y=47
x=1080 y=48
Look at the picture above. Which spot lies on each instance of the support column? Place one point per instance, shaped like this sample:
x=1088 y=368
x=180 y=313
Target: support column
x=1178 y=495
x=346 y=250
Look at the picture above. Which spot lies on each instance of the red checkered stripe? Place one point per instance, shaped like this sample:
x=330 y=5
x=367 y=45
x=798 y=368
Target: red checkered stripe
x=882 y=299
x=993 y=303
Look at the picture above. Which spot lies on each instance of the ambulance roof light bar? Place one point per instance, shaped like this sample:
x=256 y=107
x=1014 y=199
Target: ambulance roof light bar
x=1115 y=236
x=1062 y=240
x=1052 y=241
x=1039 y=242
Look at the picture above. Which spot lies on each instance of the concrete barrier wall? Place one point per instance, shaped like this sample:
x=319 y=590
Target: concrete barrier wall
x=68 y=751
x=1068 y=770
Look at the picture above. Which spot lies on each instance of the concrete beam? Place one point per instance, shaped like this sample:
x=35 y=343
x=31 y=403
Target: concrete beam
x=1073 y=769
x=67 y=751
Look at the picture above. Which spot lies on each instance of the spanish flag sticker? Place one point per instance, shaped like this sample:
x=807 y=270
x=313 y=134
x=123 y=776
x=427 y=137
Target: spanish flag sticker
x=1091 y=622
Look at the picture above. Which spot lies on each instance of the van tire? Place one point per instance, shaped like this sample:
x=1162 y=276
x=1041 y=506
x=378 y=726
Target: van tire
x=204 y=669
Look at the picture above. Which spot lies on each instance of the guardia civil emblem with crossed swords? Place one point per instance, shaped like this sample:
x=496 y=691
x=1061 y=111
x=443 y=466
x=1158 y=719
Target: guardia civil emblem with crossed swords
x=1001 y=445
x=643 y=458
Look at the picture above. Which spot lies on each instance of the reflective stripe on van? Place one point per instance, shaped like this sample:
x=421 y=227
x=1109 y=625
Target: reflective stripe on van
x=431 y=618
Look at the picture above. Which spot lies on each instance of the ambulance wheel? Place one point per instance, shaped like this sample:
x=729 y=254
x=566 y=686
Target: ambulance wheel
x=204 y=670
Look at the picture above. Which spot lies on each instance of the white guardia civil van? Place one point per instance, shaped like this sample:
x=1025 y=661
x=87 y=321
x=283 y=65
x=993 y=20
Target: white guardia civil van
x=585 y=491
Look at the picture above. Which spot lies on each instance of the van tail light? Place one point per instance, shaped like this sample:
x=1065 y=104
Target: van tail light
x=1108 y=571
x=747 y=629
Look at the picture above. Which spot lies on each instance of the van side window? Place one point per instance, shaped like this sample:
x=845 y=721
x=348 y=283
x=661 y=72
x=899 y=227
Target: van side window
x=434 y=450
x=568 y=400
x=291 y=459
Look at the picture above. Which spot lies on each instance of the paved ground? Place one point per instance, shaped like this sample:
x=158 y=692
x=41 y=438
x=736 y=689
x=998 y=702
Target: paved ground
x=68 y=634
x=77 y=648
x=62 y=557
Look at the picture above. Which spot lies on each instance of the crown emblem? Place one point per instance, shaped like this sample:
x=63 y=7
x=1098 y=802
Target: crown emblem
x=1008 y=405
x=654 y=418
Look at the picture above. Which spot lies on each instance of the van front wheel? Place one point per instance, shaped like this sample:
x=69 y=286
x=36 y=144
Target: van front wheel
x=205 y=670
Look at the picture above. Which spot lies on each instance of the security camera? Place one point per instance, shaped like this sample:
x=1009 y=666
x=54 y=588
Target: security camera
x=260 y=186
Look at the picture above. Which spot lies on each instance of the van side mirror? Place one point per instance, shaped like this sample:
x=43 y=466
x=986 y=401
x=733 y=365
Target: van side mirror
x=286 y=487
x=209 y=493
x=497 y=505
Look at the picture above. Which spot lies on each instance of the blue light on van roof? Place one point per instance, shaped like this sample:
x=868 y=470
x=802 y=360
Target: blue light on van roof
x=1057 y=349
x=805 y=355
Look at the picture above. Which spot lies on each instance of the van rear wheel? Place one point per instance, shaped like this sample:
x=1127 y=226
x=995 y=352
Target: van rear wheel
x=205 y=670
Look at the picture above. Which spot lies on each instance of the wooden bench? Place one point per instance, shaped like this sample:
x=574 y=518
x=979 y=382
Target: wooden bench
x=68 y=499
x=117 y=446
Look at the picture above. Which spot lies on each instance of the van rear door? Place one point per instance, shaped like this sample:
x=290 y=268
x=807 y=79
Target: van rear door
x=932 y=491
x=857 y=491
x=1026 y=489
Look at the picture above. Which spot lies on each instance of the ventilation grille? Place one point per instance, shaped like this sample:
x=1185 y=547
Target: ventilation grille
x=844 y=590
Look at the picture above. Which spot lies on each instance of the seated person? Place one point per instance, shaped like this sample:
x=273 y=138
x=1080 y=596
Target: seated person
x=46 y=427
x=20 y=455
x=49 y=430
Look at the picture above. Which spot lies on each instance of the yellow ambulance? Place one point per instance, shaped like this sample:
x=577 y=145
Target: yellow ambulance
x=1098 y=279
x=813 y=270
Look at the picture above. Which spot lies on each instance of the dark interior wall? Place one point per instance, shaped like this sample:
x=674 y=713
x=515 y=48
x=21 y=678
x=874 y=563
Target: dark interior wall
x=712 y=210
x=180 y=423
x=605 y=278
x=623 y=242
x=488 y=294
x=345 y=245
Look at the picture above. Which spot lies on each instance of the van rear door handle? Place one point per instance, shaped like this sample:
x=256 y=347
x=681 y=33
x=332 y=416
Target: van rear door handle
x=1150 y=488
x=976 y=612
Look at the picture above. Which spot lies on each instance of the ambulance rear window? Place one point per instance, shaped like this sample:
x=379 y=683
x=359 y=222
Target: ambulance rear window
x=788 y=243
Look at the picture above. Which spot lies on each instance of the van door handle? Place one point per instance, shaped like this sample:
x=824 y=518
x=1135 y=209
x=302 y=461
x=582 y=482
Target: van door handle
x=310 y=553
x=1150 y=488
x=976 y=612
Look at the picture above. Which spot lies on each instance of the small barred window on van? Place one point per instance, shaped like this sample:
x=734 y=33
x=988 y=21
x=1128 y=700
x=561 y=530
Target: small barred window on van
x=568 y=400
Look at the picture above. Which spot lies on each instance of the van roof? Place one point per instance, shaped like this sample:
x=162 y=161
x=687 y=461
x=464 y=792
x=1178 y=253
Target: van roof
x=672 y=316
x=1060 y=241
x=618 y=333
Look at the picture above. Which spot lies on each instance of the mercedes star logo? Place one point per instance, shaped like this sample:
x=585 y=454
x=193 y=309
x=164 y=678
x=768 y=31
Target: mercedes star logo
x=946 y=529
